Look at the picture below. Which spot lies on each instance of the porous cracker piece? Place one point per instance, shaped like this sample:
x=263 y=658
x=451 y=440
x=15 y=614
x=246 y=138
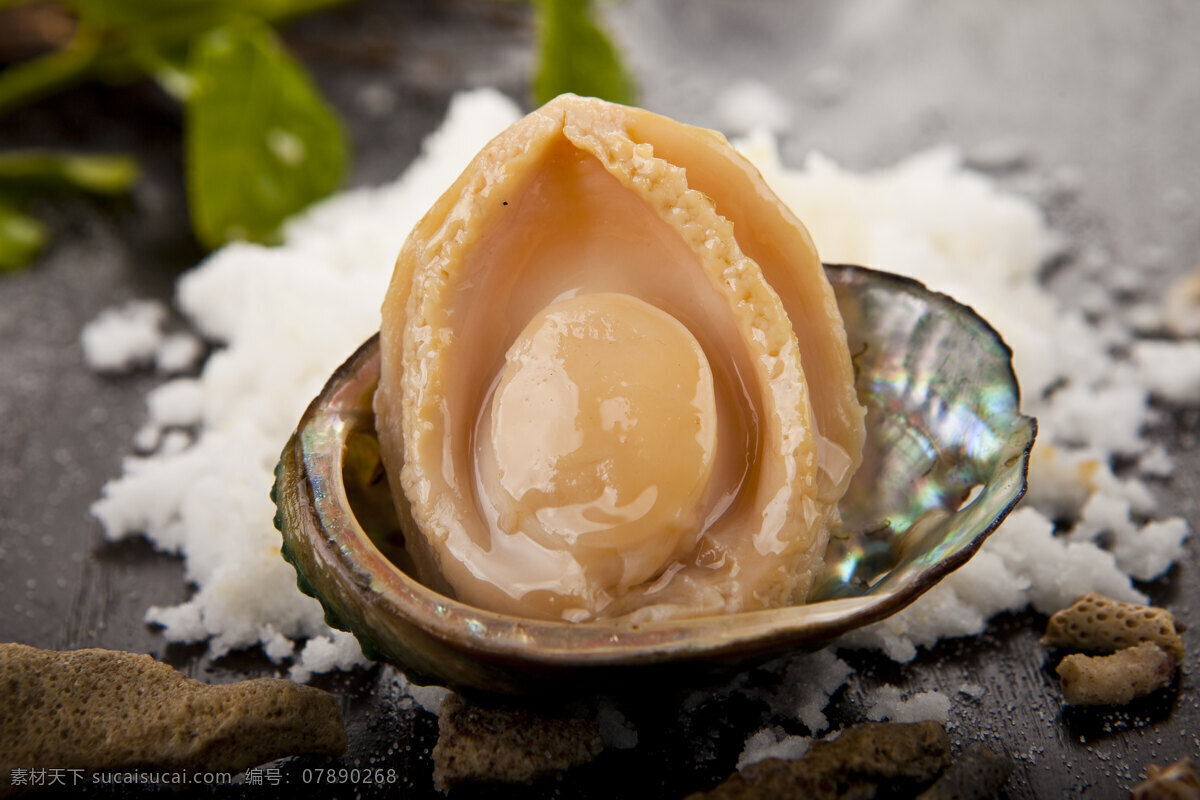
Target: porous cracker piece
x=1117 y=678
x=855 y=764
x=106 y=710
x=1178 y=781
x=479 y=744
x=1099 y=623
x=979 y=773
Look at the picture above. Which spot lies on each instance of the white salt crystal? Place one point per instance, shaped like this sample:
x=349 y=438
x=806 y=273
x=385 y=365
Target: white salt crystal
x=752 y=105
x=972 y=690
x=339 y=650
x=1144 y=317
x=959 y=605
x=428 y=698
x=1096 y=299
x=809 y=681
x=1062 y=478
x=1108 y=417
x=1170 y=370
x=804 y=685
x=176 y=402
x=1141 y=499
x=814 y=679
x=1156 y=463
x=173 y=442
x=181 y=623
x=1022 y=563
x=1148 y=552
x=1102 y=513
x=772 y=742
x=124 y=337
x=889 y=703
x=146 y=500
x=277 y=646
x=1125 y=278
x=178 y=352
x=147 y=438
x=1058 y=571
x=299 y=673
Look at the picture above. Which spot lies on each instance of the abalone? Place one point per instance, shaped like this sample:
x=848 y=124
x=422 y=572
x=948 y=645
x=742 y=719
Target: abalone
x=614 y=378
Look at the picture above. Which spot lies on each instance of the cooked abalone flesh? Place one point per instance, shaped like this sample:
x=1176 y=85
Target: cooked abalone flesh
x=614 y=379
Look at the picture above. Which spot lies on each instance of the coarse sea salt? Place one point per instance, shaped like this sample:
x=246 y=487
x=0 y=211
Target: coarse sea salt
x=281 y=319
x=749 y=105
x=132 y=335
x=772 y=742
x=890 y=703
x=124 y=337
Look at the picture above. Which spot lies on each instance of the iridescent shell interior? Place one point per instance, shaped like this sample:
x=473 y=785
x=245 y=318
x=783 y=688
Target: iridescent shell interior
x=945 y=460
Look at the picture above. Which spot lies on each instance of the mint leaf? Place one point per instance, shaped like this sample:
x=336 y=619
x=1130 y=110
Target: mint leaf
x=159 y=18
x=32 y=170
x=27 y=81
x=575 y=54
x=260 y=142
x=21 y=238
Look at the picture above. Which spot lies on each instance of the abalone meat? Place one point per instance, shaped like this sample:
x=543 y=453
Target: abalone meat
x=615 y=382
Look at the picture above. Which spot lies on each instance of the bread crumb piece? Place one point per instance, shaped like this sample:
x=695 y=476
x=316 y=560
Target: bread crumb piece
x=1101 y=624
x=1117 y=678
x=105 y=709
x=507 y=745
x=862 y=758
x=1178 y=781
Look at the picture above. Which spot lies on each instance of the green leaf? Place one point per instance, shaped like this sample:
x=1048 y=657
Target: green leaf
x=28 y=81
x=575 y=54
x=152 y=36
x=21 y=238
x=260 y=142
x=29 y=170
x=169 y=67
x=159 y=18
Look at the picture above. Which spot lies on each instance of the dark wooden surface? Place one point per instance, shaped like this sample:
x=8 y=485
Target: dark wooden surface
x=1099 y=102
